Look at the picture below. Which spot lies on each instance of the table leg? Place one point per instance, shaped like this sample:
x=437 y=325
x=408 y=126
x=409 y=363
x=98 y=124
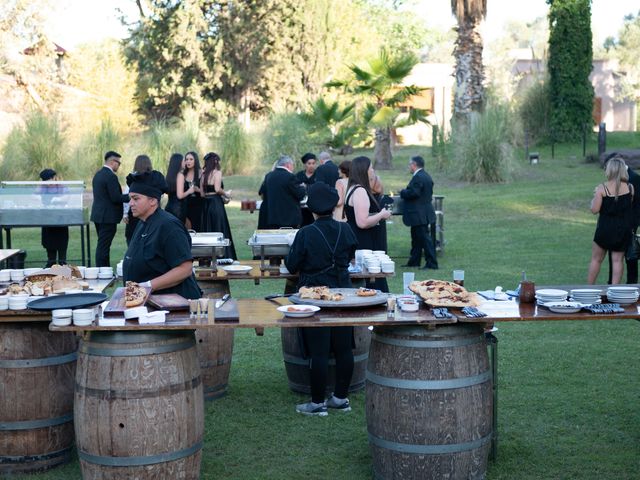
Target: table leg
x=8 y=230
x=88 y=226
x=82 y=243
x=492 y=343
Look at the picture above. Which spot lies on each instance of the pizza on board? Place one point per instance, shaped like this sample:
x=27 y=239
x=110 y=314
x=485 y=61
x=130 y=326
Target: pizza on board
x=366 y=292
x=134 y=294
x=319 y=293
x=441 y=293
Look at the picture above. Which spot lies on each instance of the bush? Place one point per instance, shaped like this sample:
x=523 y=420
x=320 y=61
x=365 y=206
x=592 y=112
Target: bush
x=236 y=148
x=88 y=156
x=484 y=150
x=167 y=137
x=286 y=134
x=38 y=145
x=534 y=112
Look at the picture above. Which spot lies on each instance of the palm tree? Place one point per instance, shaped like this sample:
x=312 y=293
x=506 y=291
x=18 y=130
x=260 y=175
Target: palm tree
x=469 y=95
x=379 y=83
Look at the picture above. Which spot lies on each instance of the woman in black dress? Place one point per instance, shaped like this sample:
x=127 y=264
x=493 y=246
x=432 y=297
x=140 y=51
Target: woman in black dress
x=321 y=253
x=364 y=214
x=188 y=185
x=307 y=177
x=612 y=200
x=175 y=205
x=141 y=164
x=214 y=215
x=55 y=240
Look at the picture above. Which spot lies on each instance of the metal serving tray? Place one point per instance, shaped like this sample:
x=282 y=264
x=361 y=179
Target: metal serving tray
x=208 y=244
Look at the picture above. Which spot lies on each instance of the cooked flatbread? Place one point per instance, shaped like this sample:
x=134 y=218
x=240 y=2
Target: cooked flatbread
x=440 y=293
x=134 y=294
x=319 y=293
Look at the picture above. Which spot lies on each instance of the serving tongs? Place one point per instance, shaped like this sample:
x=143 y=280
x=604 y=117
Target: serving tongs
x=473 y=312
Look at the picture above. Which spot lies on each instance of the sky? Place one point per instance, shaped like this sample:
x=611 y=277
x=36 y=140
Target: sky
x=83 y=21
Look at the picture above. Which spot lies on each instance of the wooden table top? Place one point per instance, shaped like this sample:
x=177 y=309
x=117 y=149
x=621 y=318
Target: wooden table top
x=256 y=274
x=6 y=253
x=13 y=316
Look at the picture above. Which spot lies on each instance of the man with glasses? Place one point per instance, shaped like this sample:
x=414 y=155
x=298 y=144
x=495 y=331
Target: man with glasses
x=107 y=209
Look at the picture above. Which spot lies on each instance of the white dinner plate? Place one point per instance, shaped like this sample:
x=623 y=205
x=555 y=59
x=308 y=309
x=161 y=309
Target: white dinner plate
x=236 y=268
x=298 y=311
x=551 y=292
x=564 y=307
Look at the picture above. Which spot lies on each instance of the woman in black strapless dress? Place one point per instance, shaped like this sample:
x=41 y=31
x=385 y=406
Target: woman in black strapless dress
x=189 y=191
x=214 y=216
x=612 y=200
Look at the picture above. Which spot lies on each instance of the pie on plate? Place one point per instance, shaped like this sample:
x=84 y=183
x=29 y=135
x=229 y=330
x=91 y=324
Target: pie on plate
x=441 y=293
x=134 y=294
x=366 y=292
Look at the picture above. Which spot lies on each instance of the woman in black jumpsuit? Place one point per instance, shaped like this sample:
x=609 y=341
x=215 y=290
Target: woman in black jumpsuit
x=159 y=255
x=321 y=254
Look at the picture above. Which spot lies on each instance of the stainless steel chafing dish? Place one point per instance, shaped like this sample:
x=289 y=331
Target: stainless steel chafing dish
x=271 y=245
x=208 y=244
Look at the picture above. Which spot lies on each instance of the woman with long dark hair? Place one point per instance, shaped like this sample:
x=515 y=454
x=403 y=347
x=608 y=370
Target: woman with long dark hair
x=188 y=190
x=214 y=216
x=141 y=164
x=175 y=205
x=364 y=213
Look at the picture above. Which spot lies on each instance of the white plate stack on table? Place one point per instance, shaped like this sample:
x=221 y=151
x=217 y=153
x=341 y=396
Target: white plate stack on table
x=5 y=275
x=91 y=273
x=61 y=317
x=549 y=295
x=622 y=295
x=105 y=273
x=4 y=302
x=17 y=275
x=376 y=261
x=586 y=296
x=18 y=302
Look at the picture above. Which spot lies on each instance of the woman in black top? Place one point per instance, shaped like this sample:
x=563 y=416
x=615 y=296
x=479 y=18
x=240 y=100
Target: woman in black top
x=141 y=164
x=321 y=253
x=188 y=190
x=364 y=214
x=214 y=217
x=55 y=240
x=307 y=177
x=159 y=255
x=175 y=205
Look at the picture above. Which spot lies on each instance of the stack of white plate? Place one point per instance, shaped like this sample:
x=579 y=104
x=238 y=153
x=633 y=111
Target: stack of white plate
x=17 y=275
x=548 y=295
x=105 y=273
x=5 y=275
x=587 y=296
x=61 y=317
x=18 y=302
x=622 y=295
x=4 y=302
x=83 y=317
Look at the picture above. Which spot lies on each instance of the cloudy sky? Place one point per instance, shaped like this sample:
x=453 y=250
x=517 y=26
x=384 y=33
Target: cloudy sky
x=88 y=20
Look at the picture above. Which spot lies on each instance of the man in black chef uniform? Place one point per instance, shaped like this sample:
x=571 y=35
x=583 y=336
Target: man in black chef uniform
x=282 y=193
x=419 y=214
x=321 y=253
x=159 y=255
x=107 y=209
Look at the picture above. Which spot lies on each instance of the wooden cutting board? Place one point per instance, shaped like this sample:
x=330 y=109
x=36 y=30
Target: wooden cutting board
x=116 y=305
x=168 y=301
x=228 y=312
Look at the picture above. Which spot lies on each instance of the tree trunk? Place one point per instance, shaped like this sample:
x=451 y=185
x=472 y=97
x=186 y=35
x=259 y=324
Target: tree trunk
x=382 y=150
x=469 y=92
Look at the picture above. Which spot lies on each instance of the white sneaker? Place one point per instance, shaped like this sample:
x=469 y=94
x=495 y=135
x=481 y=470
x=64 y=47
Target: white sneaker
x=310 y=408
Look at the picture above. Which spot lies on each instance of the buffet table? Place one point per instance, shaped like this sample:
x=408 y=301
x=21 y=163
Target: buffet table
x=416 y=361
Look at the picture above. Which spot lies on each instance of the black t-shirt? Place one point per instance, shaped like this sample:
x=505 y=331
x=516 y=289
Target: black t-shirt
x=159 y=244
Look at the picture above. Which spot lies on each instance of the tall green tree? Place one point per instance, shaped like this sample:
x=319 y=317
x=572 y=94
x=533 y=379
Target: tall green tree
x=379 y=83
x=625 y=50
x=469 y=96
x=570 y=63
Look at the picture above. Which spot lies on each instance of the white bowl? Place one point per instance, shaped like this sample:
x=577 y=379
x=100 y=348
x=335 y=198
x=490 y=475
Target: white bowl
x=105 y=275
x=135 y=312
x=91 y=273
x=408 y=306
x=62 y=313
x=564 y=307
x=82 y=323
x=237 y=268
x=61 y=321
x=83 y=315
x=298 y=311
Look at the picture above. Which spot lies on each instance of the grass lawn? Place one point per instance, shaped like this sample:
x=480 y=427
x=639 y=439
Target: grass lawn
x=569 y=392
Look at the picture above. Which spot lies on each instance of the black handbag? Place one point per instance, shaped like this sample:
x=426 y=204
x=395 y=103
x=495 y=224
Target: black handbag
x=633 y=250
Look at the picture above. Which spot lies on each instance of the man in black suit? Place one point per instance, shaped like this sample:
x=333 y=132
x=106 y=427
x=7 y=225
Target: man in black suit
x=107 y=210
x=282 y=194
x=419 y=214
x=327 y=172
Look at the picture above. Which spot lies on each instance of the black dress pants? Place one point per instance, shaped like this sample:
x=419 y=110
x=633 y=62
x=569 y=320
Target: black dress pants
x=320 y=342
x=106 y=232
x=421 y=241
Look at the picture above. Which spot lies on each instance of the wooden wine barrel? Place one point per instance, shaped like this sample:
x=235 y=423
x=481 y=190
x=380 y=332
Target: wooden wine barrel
x=139 y=410
x=215 y=348
x=429 y=402
x=297 y=368
x=37 y=369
